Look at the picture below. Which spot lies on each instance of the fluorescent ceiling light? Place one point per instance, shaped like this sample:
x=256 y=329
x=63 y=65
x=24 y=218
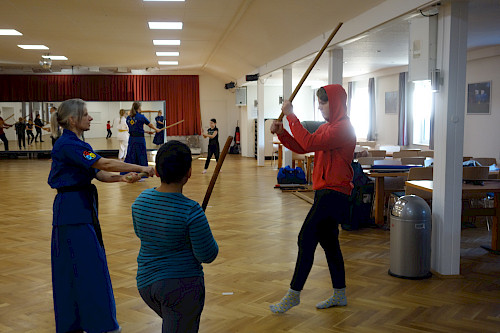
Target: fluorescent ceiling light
x=10 y=32
x=168 y=62
x=166 y=42
x=54 y=57
x=167 y=54
x=165 y=25
x=34 y=47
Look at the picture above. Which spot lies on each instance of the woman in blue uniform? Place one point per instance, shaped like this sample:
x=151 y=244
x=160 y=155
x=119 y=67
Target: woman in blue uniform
x=82 y=292
x=160 y=123
x=136 y=151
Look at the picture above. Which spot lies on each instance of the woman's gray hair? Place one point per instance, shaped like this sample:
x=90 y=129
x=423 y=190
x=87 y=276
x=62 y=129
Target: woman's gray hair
x=71 y=108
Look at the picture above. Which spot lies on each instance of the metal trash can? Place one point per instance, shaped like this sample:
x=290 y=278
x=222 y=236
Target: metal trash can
x=410 y=253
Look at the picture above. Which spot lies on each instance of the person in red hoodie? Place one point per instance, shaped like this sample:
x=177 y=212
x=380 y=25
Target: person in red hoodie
x=333 y=144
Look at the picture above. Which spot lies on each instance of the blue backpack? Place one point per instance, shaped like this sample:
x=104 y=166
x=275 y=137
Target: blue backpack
x=287 y=175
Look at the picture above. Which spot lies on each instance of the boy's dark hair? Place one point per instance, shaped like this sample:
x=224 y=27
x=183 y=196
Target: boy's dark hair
x=213 y=120
x=322 y=95
x=173 y=161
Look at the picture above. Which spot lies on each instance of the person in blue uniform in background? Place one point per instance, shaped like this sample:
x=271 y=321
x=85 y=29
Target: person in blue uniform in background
x=136 y=151
x=160 y=123
x=82 y=291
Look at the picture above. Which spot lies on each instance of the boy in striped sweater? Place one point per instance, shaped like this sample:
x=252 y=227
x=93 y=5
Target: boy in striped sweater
x=175 y=240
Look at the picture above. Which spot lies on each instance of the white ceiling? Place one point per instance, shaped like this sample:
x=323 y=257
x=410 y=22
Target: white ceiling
x=226 y=38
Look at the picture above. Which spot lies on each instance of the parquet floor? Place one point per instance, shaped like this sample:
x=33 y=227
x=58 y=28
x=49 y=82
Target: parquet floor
x=256 y=227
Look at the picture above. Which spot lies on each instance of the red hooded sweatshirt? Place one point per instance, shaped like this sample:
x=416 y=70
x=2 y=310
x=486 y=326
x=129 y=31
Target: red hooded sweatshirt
x=333 y=144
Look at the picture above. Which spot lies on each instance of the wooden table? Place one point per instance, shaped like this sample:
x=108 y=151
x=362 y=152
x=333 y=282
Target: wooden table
x=488 y=187
x=379 y=191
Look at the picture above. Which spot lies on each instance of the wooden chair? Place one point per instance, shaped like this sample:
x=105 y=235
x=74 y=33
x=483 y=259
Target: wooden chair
x=471 y=173
x=485 y=161
x=426 y=153
x=299 y=159
x=421 y=173
x=414 y=174
x=376 y=153
x=412 y=160
x=368 y=160
x=474 y=200
x=405 y=153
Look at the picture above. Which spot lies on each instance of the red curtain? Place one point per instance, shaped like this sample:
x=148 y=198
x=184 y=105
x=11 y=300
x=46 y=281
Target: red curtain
x=180 y=92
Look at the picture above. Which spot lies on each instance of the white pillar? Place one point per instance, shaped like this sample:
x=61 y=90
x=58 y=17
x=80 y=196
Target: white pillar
x=449 y=136
x=287 y=92
x=335 y=66
x=261 y=158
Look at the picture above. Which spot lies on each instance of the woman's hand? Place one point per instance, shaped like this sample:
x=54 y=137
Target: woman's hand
x=287 y=108
x=149 y=170
x=277 y=127
x=131 y=177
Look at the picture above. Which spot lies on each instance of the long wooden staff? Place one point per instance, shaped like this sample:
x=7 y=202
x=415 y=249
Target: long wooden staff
x=306 y=74
x=164 y=128
x=216 y=172
x=8 y=117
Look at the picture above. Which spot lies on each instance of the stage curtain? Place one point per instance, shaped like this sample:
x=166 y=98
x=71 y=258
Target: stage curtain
x=180 y=92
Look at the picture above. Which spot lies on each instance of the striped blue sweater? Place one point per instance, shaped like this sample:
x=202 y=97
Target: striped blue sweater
x=175 y=237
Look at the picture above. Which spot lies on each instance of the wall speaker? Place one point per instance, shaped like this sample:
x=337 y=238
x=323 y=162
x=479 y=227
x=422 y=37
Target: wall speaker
x=252 y=77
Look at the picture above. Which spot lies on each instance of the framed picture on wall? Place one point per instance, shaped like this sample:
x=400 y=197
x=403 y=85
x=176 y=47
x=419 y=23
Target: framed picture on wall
x=391 y=102
x=478 y=98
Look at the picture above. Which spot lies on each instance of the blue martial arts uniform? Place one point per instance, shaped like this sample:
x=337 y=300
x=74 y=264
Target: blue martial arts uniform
x=159 y=138
x=136 y=151
x=82 y=292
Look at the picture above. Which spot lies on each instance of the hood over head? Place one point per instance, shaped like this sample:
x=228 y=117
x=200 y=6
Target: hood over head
x=337 y=98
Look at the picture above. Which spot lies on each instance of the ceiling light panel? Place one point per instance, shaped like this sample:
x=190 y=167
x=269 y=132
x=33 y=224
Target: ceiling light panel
x=167 y=54
x=54 y=57
x=10 y=32
x=168 y=62
x=166 y=42
x=165 y=25
x=34 y=47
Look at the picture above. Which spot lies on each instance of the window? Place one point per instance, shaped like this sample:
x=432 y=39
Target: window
x=422 y=108
x=360 y=109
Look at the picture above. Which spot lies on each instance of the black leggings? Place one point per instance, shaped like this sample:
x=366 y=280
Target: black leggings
x=31 y=137
x=321 y=226
x=38 y=133
x=5 y=141
x=212 y=150
x=21 y=140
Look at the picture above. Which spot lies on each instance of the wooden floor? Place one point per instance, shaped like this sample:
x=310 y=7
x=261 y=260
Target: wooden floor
x=256 y=227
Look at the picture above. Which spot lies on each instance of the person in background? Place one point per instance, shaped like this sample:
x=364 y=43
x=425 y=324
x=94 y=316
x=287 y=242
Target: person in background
x=159 y=138
x=29 y=131
x=108 y=128
x=21 y=133
x=82 y=291
x=333 y=144
x=213 y=143
x=136 y=150
x=175 y=240
x=122 y=135
x=38 y=127
x=4 y=125
x=55 y=129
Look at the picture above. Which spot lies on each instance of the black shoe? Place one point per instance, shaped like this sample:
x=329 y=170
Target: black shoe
x=42 y=141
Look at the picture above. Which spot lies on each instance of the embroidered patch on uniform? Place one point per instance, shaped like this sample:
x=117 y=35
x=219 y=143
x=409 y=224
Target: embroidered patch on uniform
x=89 y=155
x=132 y=121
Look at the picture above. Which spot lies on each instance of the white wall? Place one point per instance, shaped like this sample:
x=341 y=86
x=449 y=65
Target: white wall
x=482 y=134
